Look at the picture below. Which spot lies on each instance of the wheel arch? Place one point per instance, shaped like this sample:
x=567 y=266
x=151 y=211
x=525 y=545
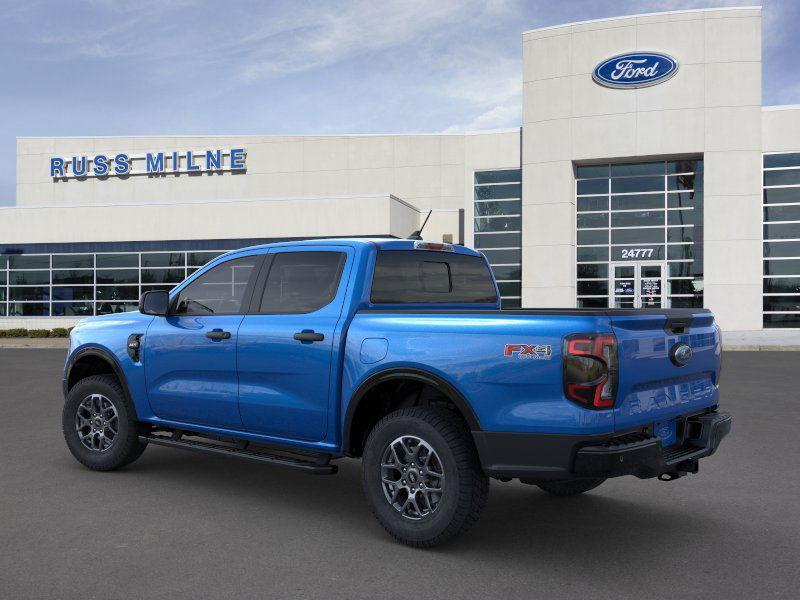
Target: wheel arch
x=94 y=360
x=398 y=374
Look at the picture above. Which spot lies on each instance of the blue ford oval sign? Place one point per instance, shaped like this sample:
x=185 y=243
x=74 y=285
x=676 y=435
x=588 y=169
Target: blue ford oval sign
x=635 y=70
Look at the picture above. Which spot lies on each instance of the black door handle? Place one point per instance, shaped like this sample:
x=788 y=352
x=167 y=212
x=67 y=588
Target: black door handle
x=218 y=334
x=309 y=335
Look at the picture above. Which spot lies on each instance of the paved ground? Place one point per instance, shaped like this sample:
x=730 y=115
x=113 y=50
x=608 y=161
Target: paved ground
x=182 y=525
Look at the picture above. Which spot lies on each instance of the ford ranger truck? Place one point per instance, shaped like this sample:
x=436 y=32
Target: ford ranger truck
x=396 y=352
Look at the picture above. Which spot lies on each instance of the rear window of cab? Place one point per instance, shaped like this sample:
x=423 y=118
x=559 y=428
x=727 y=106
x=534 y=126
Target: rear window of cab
x=425 y=277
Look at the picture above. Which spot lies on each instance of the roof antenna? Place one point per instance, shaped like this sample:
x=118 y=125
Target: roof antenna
x=417 y=235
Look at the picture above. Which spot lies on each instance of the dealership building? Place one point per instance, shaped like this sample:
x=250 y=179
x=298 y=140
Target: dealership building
x=645 y=172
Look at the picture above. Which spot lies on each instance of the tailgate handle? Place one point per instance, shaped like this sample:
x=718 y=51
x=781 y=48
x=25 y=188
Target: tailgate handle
x=677 y=325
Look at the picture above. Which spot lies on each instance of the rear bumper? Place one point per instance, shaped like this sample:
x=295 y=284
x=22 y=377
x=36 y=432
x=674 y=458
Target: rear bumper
x=553 y=456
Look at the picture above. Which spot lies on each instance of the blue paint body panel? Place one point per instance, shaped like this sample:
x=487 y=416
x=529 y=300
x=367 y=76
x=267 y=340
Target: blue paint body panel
x=263 y=385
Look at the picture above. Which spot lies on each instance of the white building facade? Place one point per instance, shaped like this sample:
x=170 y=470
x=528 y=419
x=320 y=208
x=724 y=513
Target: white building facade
x=646 y=172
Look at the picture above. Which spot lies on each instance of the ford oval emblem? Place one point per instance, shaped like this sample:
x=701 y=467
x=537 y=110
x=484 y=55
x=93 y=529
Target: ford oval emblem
x=635 y=70
x=681 y=354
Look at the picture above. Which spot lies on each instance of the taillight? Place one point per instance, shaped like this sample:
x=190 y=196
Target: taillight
x=590 y=369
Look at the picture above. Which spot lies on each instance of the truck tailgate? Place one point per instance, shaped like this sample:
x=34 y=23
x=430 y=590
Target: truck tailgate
x=652 y=389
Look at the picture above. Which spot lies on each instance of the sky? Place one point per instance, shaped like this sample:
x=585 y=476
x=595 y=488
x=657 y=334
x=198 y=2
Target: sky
x=161 y=67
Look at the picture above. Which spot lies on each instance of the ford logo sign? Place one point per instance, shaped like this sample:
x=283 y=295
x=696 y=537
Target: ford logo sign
x=635 y=70
x=681 y=354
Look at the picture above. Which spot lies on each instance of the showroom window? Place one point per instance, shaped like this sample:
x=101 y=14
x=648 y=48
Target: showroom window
x=781 y=300
x=640 y=234
x=81 y=285
x=498 y=229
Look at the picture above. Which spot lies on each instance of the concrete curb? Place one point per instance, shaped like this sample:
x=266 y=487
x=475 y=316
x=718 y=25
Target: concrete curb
x=760 y=348
x=43 y=343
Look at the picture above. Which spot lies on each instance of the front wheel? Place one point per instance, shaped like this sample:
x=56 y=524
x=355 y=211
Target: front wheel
x=422 y=476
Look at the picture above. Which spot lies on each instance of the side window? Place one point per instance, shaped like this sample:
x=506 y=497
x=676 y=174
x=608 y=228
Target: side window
x=301 y=282
x=219 y=291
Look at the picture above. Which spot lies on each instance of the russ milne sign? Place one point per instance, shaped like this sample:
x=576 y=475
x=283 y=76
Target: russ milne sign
x=635 y=70
x=151 y=163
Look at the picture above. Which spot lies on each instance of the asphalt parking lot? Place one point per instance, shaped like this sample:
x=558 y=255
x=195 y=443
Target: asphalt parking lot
x=184 y=525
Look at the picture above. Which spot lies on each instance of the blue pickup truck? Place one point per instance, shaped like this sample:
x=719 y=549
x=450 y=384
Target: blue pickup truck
x=395 y=351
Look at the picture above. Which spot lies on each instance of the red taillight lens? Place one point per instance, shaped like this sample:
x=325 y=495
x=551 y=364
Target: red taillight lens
x=590 y=369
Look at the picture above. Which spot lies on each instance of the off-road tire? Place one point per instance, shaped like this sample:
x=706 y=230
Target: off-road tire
x=125 y=447
x=466 y=487
x=568 y=487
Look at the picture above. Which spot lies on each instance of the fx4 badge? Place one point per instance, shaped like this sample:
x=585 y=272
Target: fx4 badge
x=529 y=351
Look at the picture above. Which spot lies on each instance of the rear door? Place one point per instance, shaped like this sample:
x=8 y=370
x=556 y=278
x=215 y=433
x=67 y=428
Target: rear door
x=652 y=388
x=286 y=343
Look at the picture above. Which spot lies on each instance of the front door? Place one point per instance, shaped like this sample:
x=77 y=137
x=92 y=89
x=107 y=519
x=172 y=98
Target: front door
x=286 y=343
x=190 y=355
x=637 y=285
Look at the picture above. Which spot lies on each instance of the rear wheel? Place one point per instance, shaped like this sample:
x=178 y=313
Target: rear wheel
x=99 y=424
x=422 y=477
x=567 y=487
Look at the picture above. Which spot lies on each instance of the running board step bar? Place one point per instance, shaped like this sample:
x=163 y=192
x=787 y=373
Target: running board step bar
x=313 y=464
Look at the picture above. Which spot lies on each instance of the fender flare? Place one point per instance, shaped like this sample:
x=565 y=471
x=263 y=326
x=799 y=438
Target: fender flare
x=427 y=377
x=106 y=356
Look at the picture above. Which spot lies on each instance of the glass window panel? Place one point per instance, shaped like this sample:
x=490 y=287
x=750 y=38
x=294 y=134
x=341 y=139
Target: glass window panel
x=219 y=290
x=782 y=267
x=592 y=254
x=637 y=219
x=3 y=309
x=507 y=303
x=85 y=292
x=29 y=277
x=593 y=302
x=593 y=220
x=782 y=303
x=678 y=252
x=782 y=285
x=787 y=320
x=687 y=302
x=498 y=240
x=684 y=217
x=648 y=168
x=782 y=231
x=164 y=259
x=117 y=260
x=592 y=186
x=107 y=308
x=592 y=271
x=198 y=259
x=506 y=207
x=788 y=177
x=498 y=176
x=638 y=252
x=118 y=275
x=680 y=234
x=782 y=195
x=684 y=182
x=498 y=224
x=593 y=288
x=24 y=261
x=782 y=213
x=3 y=262
x=507 y=272
x=29 y=293
x=73 y=277
x=684 y=199
x=503 y=257
x=637 y=184
x=73 y=309
x=591 y=171
x=73 y=261
x=117 y=292
x=637 y=236
x=789 y=159
x=584 y=204
x=684 y=166
x=684 y=286
x=778 y=249
x=496 y=192
x=592 y=236
x=162 y=275
x=509 y=288
x=2 y=294
x=28 y=309
x=2 y=277
x=680 y=269
x=637 y=202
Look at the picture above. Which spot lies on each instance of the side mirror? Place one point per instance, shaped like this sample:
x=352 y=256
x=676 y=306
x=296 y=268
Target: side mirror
x=155 y=302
